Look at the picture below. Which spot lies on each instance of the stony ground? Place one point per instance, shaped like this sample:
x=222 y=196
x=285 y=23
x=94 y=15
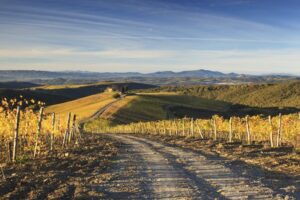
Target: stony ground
x=130 y=167
x=159 y=171
x=281 y=160
x=62 y=175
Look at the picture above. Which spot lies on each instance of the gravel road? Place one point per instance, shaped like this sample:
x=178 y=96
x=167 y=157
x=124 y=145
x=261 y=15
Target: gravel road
x=145 y=169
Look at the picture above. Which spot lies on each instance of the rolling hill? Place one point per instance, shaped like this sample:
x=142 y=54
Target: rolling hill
x=32 y=74
x=200 y=73
x=31 y=94
x=157 y=106
x=192 y=77
x=284 y=94
x=17 y=85
x=152 y=107
x=53 y=94
x=79 y=91
x=83 y=107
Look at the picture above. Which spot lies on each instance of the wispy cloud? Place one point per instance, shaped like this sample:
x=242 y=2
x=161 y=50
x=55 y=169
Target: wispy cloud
x=143 y=35
x=116 y=53
x=249 y=61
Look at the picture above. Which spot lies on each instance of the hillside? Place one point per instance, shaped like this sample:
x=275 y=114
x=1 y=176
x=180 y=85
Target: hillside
x=30 y=94
x=32 y=74
x=285 y=94
x=191 y=77
x=44 y=75
x=157 y=106
x=53 y=94
x=83 y=107
x=17 y=85
x=79 y=91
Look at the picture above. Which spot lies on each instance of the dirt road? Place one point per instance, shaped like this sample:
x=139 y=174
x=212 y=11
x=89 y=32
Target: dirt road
x=145 y=169
x=128 y=167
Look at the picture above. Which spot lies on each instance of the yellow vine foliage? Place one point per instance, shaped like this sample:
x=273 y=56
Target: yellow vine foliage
x=28 y=125
x=286 y=127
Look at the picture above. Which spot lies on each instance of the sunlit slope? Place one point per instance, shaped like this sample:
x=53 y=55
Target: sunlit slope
x=66 y=86
x=284 y=94
x=154 y=106
x=83 y=107
x=79 y=91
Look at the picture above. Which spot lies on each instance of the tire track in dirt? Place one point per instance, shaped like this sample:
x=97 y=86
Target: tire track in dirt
x=154 y=177
x=176 y=173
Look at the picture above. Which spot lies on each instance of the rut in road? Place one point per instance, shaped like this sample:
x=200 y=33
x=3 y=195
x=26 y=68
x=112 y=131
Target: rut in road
x=149 y=170
x=143 y=173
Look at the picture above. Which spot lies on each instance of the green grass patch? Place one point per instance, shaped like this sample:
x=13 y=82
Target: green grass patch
x=151 y=107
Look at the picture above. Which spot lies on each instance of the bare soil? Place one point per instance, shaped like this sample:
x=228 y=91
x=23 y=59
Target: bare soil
x=61 y=175
x=119 y=166
x=285 y=160
x=279 y=167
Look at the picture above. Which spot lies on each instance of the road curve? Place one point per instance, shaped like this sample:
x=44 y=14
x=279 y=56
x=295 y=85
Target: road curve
x=146 y=169
x=100 y=111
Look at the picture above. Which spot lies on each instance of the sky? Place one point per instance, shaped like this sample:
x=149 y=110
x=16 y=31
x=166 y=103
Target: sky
x=242 y=36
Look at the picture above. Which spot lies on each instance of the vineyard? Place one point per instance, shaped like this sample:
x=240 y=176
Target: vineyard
x=27 y=132
x=276 y=131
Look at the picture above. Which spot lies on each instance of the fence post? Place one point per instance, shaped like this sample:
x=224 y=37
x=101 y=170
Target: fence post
x=176 y=127
x=271 y=132
x=16 y=135
x=67 y=130
x=230 y=129
x=215 y=128
x=279 y=133
x=52 y=134
x=248 y=130
x=200 y=131
x=72 y=128
x=39 y=127
x=183 y=127
x=192 y=127
x=211 y=132
x=297 y=145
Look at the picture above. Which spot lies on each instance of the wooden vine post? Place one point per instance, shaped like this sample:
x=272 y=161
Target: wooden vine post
x=200 y=131
x=67 y=130
x=192 y=127
x=176 y=127
x=248 y=130
x=155 y=129
x=169 y=127
x=16 y=135
x=279 y=133
x=230 y=129
x=211 y=132
x=53 y=130
x=72 y=128
x=298 y=135
x=164 y=127
x=39 y=128
x=183 y=127
x=271 y=132
x=215 y=128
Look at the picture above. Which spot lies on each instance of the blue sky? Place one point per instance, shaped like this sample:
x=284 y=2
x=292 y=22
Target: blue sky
x=244 y=36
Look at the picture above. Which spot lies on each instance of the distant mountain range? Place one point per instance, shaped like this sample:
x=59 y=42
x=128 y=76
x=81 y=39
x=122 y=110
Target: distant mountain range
x=10 y=75
x=195 y=73
x=194 y=77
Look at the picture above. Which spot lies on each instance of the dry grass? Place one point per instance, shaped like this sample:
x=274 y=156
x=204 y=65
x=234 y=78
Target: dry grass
x=83 y=107
x=150 y=106
x=55 y=87
x=108 y=114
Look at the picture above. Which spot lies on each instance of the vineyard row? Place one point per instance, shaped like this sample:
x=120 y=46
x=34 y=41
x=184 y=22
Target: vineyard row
x=275 y=131
x=28 y=132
